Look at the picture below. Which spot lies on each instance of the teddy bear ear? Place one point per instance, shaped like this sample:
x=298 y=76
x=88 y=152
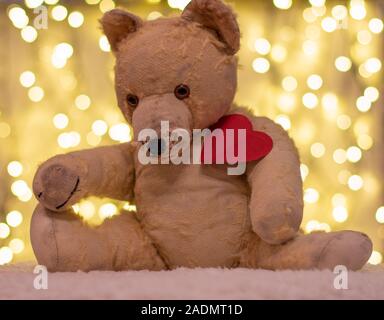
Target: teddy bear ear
x=215 y=15
x=117 y=24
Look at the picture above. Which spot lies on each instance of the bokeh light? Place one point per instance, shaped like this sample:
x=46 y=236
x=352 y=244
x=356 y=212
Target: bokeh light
x=27 y=79
x=376 y=25
x=18 y=17
x=289 y=83
x=16 y=245
x=82 y=102
x=261 y=65
x=60 y=121
x=340 y=214
x=104 y=44
x=380 y=215
x=59 y=13
x=376 y=258
x=107 y=210
x=314 y=82
x=14 y=218
x=15 y=168
x=6 y=255
x=36 y=94
x=76 y=19
x=343 y=63
x=29 y=34
x=262 y=46
x=282 y=4
x=4 y=230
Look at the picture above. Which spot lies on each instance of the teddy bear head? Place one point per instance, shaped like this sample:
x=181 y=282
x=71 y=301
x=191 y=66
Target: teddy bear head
x=180 y=69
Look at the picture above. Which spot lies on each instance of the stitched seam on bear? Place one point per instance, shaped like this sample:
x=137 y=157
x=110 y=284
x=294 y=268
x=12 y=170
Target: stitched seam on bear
x=153 y=244
x=158 y=252
x=244 y=231
x=55 y=241
x=322 y=250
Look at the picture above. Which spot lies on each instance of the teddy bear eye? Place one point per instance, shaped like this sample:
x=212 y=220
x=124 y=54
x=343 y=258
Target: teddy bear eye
x=132 y=100
x=182 y=91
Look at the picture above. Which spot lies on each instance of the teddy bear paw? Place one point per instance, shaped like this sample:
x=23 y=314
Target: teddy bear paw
x=55 y=186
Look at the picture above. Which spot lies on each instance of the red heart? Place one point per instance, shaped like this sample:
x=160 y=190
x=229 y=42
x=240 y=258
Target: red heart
x=257 y=144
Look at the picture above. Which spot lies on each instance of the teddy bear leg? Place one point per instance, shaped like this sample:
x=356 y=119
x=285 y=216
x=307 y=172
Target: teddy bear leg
x=318 y=250
x=64 y=242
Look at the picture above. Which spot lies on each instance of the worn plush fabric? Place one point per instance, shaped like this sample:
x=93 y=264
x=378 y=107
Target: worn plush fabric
x=182 y=70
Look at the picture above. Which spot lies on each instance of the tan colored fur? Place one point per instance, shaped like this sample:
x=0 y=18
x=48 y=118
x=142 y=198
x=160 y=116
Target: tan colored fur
x=188 y=215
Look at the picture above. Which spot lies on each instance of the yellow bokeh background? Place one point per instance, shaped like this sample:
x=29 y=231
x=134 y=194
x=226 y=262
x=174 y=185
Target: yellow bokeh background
x=315 y=67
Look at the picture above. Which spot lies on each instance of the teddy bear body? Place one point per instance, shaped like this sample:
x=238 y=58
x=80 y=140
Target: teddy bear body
x=211 y=228
x=181 y=70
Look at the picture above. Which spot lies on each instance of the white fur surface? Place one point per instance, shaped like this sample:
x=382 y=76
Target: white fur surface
x=16 y=282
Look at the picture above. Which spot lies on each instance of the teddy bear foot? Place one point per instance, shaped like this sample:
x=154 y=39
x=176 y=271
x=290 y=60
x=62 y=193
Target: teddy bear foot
x=347 y=248
x=64 y=242
x=59 y=239
x=318 y=250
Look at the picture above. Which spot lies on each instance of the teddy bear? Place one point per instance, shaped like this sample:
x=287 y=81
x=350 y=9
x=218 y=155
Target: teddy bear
x=182 y=70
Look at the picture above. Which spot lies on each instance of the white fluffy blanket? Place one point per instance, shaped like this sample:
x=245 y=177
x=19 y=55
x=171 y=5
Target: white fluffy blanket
x=16 y=282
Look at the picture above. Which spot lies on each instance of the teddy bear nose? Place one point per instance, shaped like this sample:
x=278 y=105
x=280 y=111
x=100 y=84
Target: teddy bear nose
x=156 y=147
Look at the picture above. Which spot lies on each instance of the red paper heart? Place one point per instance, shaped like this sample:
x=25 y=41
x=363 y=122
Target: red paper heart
x=257 y=144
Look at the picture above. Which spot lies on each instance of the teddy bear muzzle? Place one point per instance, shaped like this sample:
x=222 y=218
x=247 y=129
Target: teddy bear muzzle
x=156 y=118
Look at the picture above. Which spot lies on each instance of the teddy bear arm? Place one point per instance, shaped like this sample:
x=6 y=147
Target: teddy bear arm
x=63 y=180
x=276 y=205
